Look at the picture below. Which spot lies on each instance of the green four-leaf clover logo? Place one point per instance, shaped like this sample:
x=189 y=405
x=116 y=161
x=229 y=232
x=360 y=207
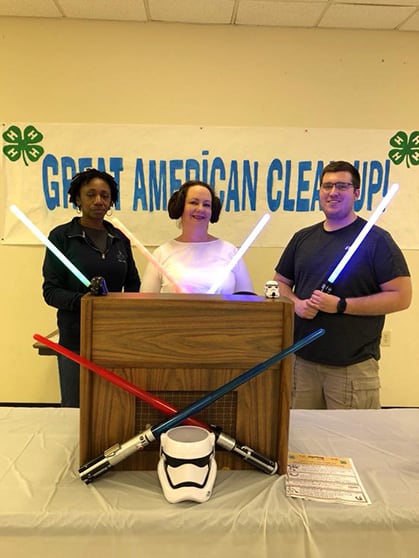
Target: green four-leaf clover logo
x=23 y=145
x=405 y=148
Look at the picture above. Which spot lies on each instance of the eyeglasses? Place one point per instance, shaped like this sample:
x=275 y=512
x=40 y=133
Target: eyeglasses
x=340 y=186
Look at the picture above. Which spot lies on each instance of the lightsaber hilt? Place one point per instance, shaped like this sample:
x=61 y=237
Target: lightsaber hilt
x=327 y=287
x=114 y=455
x=98 y=286
x=100 y=465
x=246 y=453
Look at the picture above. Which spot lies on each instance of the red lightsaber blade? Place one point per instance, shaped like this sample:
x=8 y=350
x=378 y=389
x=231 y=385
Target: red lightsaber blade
x=225 y=441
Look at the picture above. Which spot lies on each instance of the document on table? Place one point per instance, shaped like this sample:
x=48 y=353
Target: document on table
x=324 y=479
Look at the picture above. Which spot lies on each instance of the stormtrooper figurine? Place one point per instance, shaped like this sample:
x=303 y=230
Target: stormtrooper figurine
x=187 y=467
x=271 y=289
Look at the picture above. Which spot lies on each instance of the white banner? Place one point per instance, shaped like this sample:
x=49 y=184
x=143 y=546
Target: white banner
x=253 y=170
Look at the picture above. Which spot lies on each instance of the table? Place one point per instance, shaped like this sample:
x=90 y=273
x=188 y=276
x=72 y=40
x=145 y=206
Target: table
x=42 y=349
x=46 y=510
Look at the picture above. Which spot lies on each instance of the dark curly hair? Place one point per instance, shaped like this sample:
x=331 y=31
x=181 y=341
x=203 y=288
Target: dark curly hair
x=84 y=177
x=176 y=203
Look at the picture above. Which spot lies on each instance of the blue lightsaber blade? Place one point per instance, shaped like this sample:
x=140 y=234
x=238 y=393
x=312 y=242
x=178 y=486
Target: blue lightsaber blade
x=118 y=452
x=34 y=229
x=328 y=285
x=97 y=285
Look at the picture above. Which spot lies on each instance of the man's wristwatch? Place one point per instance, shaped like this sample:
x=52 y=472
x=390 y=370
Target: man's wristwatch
x=341 y=306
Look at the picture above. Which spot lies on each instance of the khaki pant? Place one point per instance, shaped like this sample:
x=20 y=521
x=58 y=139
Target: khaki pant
x=317 y=386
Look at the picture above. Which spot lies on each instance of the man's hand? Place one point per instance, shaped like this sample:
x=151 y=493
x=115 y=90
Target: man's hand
x=305 y=308
x=324 y=302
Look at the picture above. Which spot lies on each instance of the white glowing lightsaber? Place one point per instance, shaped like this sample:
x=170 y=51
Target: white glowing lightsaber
x=148 y=255
x=20 y=215
x=327 y=287
x=254 y=233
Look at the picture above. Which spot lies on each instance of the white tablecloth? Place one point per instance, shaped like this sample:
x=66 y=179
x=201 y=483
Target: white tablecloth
x=46 y=510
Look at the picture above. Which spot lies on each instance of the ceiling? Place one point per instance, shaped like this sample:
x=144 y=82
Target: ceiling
x=401 y=15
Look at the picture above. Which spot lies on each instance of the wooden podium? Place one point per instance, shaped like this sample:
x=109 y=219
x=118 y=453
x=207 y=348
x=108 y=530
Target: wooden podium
x=180 y=347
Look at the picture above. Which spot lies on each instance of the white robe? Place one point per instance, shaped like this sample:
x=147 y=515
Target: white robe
x=196 y=266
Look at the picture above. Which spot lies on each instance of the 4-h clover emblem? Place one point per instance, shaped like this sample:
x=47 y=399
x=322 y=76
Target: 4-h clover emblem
x=405 y=148
x=23 y=145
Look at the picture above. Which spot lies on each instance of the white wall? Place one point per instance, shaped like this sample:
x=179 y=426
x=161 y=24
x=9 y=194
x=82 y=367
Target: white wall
x=87 y=71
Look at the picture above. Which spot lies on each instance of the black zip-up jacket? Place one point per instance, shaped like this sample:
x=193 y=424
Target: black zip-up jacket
x=63 y=290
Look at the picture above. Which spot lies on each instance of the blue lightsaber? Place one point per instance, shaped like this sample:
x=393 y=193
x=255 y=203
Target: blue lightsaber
x=45 y=240
x=118 y=452
x=327 y=287
x=97 y=285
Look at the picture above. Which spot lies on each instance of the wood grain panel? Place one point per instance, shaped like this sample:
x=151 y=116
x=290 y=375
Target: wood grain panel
x=222 y=338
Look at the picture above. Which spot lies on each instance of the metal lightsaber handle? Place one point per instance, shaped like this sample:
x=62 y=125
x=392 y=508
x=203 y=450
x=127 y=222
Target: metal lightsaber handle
x=247 y=454
x=327 y=287
x=262 y=462
x=89 y=473
x=98 y=466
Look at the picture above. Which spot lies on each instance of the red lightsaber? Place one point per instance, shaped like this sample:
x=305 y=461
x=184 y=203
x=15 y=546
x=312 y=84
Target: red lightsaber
x=224 y=440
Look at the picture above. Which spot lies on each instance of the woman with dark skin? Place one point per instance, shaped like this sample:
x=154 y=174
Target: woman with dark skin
x=97 y=249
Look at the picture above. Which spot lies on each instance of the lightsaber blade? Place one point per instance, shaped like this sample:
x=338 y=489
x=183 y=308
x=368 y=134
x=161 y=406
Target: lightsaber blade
x=328 y=285
x=34 y=229
x=240 y=252
x=118 y=452
x=225 y=441
x=147 y=254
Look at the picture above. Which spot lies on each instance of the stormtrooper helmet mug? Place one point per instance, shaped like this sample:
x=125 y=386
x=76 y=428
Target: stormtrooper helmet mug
x=187 y=466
